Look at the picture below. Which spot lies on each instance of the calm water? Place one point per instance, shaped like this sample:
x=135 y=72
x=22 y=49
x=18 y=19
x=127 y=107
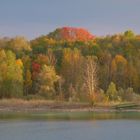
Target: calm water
x=70 y=126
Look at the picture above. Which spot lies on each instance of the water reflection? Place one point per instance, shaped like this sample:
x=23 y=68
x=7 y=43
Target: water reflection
x=69 y=130
x=71 y=116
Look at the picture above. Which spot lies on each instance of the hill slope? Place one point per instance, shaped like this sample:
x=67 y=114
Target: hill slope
x=71 y=34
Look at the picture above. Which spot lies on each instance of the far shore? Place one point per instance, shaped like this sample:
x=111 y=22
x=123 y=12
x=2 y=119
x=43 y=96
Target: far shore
x=19 y=105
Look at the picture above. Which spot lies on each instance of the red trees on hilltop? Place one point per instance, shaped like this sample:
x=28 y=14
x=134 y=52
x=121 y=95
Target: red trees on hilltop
x=72 y=34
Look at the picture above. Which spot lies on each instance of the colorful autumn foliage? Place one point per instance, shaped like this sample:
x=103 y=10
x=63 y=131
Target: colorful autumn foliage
x=35 y=67
x=71 y=34
x=11 y=75
x=57 y=65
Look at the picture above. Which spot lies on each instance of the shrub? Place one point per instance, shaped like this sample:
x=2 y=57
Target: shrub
x=112 y=91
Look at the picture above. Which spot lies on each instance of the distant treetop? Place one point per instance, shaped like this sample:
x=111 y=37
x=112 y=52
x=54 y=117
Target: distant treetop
x=71 y=34
x=129 y=34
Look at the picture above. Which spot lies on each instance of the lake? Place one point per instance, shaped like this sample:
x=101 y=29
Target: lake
x=70 y=126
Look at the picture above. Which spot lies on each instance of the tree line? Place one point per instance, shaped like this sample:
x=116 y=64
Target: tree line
x=52 y=67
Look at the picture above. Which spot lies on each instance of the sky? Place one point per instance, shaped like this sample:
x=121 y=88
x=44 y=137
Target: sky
x=32 y=18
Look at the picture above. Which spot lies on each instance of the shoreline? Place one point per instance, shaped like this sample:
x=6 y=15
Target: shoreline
x=42 y=110
x=38 y=106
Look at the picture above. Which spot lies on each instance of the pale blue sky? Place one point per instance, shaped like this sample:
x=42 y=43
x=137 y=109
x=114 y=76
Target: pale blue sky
x=32 y=18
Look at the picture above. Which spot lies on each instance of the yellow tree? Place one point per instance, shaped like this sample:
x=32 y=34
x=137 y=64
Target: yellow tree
x=71 y=70
x=11 y=75
x=119 y=70
x=46 y=79
x=19 y=45
x=27 y=74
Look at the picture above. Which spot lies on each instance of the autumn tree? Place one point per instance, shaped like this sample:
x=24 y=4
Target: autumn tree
x=46 y=59
x=129 y=34
x=51 y=58
x=45 y=81
x=19 y=45
x=11 y=75
x=27 y=82
x=112 y=91
x=41 y=44
x=104 y=69
x=4 y=42
x=119 y=70
x=90 y=77
x=71 y=70
x=71 y=34
x=27 y=75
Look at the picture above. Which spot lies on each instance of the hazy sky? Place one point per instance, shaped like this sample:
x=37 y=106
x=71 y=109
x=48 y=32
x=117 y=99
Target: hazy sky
x=32 y=18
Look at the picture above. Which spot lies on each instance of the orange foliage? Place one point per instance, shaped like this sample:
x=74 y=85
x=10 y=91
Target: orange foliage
x=19 y=62
x=73 y=34
x=119 y=59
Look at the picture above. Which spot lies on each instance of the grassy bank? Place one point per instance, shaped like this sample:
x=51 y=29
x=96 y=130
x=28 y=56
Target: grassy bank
x=20 y=105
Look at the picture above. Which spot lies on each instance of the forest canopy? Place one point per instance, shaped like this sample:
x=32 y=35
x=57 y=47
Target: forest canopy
x=71 y=64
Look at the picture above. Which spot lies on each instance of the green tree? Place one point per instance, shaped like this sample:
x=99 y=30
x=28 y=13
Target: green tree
x=112 y=91
x=129 y=34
